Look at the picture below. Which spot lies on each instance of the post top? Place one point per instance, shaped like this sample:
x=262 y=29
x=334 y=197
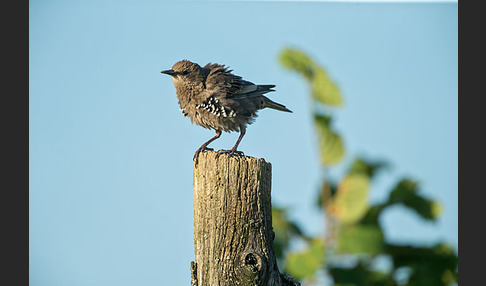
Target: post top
x=210 y=157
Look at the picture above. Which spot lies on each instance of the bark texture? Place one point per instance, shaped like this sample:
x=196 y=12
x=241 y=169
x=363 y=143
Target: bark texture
x=233 y=223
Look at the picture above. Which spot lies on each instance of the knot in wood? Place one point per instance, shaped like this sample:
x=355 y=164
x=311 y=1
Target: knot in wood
x=252 y=262
x=252 y=268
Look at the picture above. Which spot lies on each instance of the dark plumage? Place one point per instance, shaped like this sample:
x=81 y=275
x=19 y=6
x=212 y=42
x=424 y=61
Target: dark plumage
x=214 y=98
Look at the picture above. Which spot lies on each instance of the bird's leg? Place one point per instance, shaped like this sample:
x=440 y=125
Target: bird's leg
x=205 y=145
x=233 y=150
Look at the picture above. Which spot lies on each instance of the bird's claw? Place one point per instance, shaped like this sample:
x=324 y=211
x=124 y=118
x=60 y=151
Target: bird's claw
x=196 y=155
x=229 y=152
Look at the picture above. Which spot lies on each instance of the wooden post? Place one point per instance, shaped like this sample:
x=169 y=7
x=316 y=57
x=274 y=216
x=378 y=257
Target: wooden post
x=233 y=223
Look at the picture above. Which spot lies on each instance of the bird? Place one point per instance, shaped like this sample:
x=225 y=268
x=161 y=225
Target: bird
x=215 y=98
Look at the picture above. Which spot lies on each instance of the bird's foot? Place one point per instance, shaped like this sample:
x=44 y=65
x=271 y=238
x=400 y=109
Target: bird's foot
x=229 y=152
x=196 y=155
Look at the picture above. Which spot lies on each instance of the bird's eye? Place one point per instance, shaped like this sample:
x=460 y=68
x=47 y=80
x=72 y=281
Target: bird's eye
x=184 y=72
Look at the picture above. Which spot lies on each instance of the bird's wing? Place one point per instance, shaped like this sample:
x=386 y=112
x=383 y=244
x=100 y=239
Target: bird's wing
x=250 y=90
x=229 y=92
x=220 y=82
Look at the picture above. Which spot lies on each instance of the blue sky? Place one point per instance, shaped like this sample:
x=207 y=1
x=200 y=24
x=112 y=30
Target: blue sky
x=111 y=155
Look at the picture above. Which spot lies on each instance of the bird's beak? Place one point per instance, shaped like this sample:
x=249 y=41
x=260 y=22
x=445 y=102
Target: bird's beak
x=169 y=72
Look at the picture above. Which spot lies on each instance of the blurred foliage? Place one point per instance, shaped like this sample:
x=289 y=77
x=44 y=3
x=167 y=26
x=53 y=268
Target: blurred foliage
x=360 y=275
x=367 y=167
x=322 y=88
x=406 y=193
x=354 y=233
x=305 y=263
x=350 y=203
x=324 y=93
x=435 y=265
x=330 y=143
x=360 y=239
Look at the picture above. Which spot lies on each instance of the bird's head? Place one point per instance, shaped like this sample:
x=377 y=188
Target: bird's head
x=182 y=70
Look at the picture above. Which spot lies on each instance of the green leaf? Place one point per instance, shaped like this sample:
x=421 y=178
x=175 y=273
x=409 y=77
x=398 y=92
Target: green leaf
x=326 y=193
x=304 y=264
x=350 y=203
x=330 y=143
x=355 y=239
x=359 y=275
x=324 y=90
x=406 y=193
x=369 y=168
x=298 y=61
x=372 y=215
x=435 y=265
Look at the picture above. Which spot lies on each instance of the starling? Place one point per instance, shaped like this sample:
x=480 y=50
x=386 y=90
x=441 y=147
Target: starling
x=214 y=98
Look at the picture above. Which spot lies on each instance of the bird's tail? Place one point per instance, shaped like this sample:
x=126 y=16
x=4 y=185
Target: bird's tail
x=272 y=104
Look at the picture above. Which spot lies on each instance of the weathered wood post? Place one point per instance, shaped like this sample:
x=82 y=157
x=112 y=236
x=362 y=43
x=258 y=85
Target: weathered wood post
x=233 y=223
